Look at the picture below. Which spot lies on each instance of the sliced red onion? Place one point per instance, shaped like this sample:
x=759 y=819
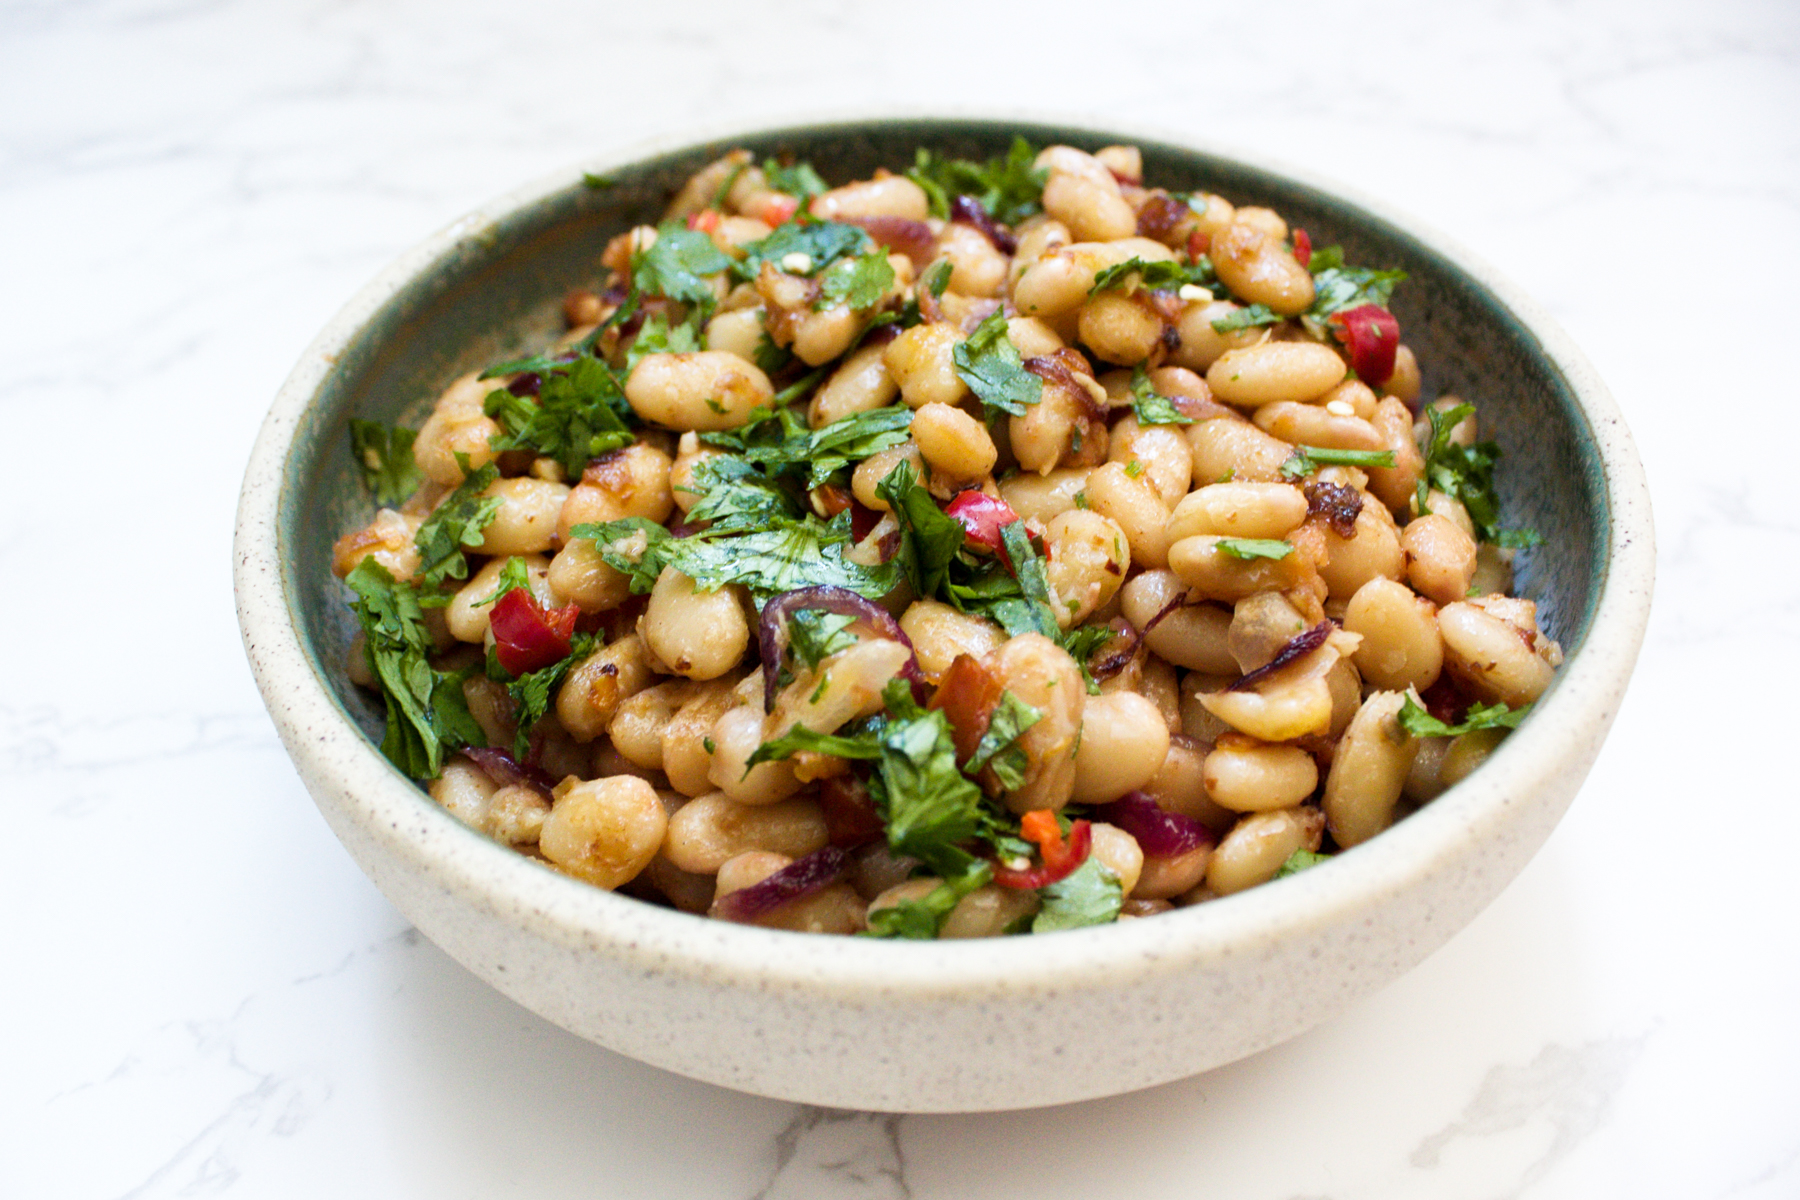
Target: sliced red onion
x=802 y=877
x=851 y=818
x=1298 y=645
x=901 y=234
x=968 y=211
x=505 y=770
x=1158 y=832
x=526 y=384
x=772 y=632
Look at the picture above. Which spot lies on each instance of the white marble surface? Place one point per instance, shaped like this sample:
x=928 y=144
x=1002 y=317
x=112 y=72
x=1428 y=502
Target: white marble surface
x=202 y=995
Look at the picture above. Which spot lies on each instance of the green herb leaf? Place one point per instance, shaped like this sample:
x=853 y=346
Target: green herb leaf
x=636 y=546
x=797 y=180
x=1299 y=861
x=787 y=555
x=735 y=495
x=534 y=692
x=657 y=336
x=814 y=636
x=676 y=266
x=1089 y=895
x=999 y=746
x=427 y=716
x=1307 y=459
x=864 y=745
x=1135 y=273
x=1337 y=287
x=928 y=803
x=859 y=284
x=1466 y=475
x=1009 y=188
x=597 y=183
x=456 y=525
x=1247 y=318
x=1416 y=721
x=822 y=242
x=923 y=918
x=575 y=417
x=929 y=539
x=1249 y=548
x=512 y=575
x=1150 y=405
x=779 y=440
x=990 y=364
x=385 y=456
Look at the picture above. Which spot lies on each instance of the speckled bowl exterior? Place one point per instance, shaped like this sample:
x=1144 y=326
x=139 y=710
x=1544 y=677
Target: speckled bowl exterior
x=952 y=1026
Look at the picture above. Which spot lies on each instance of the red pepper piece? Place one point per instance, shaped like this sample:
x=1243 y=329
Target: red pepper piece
x=1061 y=857
x=1199 y=242
x=779 y=208
x=982 y=517
x=527 y=637
x=1371 y=334
x=1302 y=247
x=706 y=220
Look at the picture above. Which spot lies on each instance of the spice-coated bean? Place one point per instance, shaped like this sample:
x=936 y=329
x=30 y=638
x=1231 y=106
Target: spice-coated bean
x=1275 y=371
x=707 y=390
x=698 y=634
x=709 y=830
x=1124 y=741
x=604 y=831
x=1257 y=846
x=1368 y=771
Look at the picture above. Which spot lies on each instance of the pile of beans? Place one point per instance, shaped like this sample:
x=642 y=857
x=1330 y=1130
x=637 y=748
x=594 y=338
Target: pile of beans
x=1255 y=696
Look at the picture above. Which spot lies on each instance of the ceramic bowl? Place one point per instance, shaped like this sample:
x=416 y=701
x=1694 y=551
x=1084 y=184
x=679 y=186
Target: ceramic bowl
x=1000 y=1023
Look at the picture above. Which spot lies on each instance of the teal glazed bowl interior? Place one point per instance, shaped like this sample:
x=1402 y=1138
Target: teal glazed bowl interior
x=933 y=1026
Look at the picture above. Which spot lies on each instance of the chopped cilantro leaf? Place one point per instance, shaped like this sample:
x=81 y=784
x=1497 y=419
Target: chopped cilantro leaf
x=1135 y=273
x=1247 y=318
x=533 y=692
x=636 y=546
x=923 y=918
x=1337 y=287
x=929 y=805
x=930 y=540
x=797 y=180
x=1307 y=459
x=1248 y=548
x=990 y=364
x=778 y=439
x=1089 y=895
x=597 y=183
x=1466 y=475
x=456 y=525
x=1150 y=405
x=512 y=575
x=427 y=715
x=863 y=745
x=575 y=417
x=676 y=266
x=814 y=636
x=657 y=336
x=1416 y=721
x=999 y=746
x=788 y=554
x=822 y=242
x=1299 y=861
x=384 y=455
x=1009 y=188
x=859 y=283
x=735 y=495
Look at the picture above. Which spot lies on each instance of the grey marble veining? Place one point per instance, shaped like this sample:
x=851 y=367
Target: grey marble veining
x=206 y=999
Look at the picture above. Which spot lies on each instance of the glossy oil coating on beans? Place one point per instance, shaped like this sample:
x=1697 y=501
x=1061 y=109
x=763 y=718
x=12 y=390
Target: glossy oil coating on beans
x=881 y=559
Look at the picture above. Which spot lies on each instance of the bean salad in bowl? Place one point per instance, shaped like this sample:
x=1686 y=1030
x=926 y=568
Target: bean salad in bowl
x=977 y=548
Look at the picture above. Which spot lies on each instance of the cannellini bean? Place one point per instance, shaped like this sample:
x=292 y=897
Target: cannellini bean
x=1059 y=282
x=580 y=575
x=1260 y=626
x=988 y=911
x=1161 y=452
x=710 y=830
x=604 y=831
x=862 y=383
x=1065 y=428
x=1032 y=338
x=1134 y=507
x=634 y=481
x=1440 y=558
x=1257 y=846
x=1197 y=720
x=1119 y=853
x=1291 y=703
x=707 y=390
x=1400 y=644
x=1191 y=636
x=1124 y=741
x=1265 y=220
x=1093 y=211
x=1395 y=486
x=457 y=426
x=1172 y=875
x=1119 y=327
x=466 y=615
x=595 y=687
x=954 y=443
x=636 y=729
x=1041 y=673
x=888 y=196
x=878 y=466
x=525 y=522
x=698 y=634
x=922 y=364
x=1041 y=497
x=976 y=267
x=844 y=686
x=1180 y=786
x=1314 y=425
x=1087 y=557
x=736 y=734
x=1463 y=754
x=464 y=791
x=738 y=332
x=1273 y=372
x=1239 y=510
x=1493 y=657
x=684 y=493
x=1200 y=345
x=1368 y=771
x=515 y=816
x=388 y=539
x=1404 y=382
x=1257 y=267
x=1372 y=551
x=939 y=633
x=1215 y=574
x=1245 y=775
x=1227 y=450
x=685 y=757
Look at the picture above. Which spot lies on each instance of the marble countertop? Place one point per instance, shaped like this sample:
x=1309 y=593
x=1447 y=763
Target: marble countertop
x=205 y=997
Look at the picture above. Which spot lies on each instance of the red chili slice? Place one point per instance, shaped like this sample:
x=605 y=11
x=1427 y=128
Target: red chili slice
x=1061 y=858
x=982 y=517
x=1302 y=247
x=1372 y=336
x=779 y=208
x=706 y=220
x=527 y=637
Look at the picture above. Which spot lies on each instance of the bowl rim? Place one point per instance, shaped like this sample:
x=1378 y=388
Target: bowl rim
x=327 y=746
